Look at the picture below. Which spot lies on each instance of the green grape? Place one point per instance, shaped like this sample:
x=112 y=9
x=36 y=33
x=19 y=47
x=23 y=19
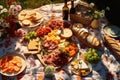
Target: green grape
x=90 y=59
x=92 y=56
x=34 y=34
x=96 y=12
x=89 y=52
x=93 y=51
x=89 y=49
x=27 y=37
x=95 y=54
x=31 y=35
x=96 y=16
x=85 y=54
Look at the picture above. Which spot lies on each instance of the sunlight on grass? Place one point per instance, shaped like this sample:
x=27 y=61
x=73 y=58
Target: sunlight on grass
x=37 y=3
x=32 y=3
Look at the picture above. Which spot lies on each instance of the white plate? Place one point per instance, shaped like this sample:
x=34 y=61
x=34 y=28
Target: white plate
x=23 y=64
x=89 y=66
x=112 y=30
x=30 y=17
x=31 y=26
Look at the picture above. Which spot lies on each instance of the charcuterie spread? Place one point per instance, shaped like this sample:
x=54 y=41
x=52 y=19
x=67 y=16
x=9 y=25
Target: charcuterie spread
x=49 y=48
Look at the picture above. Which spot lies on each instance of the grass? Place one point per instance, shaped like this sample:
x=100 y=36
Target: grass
x=37 y=3
x=32 y=3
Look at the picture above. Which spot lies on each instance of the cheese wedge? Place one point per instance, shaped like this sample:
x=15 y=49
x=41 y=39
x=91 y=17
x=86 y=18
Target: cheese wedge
x=83 y=65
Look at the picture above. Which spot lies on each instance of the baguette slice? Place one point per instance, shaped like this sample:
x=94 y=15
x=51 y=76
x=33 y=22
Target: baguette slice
x=93 y=40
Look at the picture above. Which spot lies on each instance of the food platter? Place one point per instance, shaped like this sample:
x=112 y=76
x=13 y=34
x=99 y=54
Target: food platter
x=57 y=47
x=14 y=61
x=58 y=59
x=53 y=48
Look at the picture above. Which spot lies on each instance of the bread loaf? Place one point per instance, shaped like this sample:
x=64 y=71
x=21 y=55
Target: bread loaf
x=86 y=38
x=113 y=45
x=94 y=24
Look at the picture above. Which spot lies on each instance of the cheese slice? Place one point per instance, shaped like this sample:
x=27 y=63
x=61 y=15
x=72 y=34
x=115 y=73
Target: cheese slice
x=83 y=65
x=33 y=44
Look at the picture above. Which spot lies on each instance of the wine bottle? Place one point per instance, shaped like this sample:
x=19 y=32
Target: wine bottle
x=72 y=9
x=65 y=10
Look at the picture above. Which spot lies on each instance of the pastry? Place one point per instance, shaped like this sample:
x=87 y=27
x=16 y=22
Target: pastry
x=21 y=18
x=37 y=17
x=32 y=13
x=26 y=22
x=22 y=15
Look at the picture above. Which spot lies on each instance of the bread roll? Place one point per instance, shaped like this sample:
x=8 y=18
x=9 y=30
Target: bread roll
x=86 y=38
x=114 y=46
x=94 y=24
x=37 y=17
x=26 y=22
x=66 y=33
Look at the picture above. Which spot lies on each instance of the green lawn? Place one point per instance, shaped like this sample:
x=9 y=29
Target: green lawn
x=37 y=3
x=33 y=3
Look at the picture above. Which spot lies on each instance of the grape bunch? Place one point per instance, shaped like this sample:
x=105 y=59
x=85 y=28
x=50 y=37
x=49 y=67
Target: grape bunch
x=30 y=35
x=92 y=56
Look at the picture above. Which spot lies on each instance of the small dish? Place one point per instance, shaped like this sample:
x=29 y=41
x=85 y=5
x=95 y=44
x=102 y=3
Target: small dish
x=77 y=68
x=30 y=19
x=12 y=55
x=112 y=30
x=32 y=25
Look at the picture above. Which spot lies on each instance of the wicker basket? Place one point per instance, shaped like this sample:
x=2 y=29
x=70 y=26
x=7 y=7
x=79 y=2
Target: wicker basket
x=79 y=18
